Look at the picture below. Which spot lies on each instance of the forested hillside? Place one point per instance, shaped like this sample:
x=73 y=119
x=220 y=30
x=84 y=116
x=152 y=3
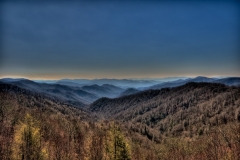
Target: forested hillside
x=187 y=110
x=33 y=126
x=194 y=121
x=73 y=95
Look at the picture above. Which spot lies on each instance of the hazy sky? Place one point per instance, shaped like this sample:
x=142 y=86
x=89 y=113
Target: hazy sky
x=103 y=39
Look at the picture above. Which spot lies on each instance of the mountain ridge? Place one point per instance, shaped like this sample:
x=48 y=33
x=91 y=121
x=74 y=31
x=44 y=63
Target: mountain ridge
x=234 y=80
x=157 y=108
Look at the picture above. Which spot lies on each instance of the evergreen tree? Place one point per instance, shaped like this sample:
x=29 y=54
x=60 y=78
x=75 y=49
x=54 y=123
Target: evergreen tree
x=26 y=143
x=117 y=146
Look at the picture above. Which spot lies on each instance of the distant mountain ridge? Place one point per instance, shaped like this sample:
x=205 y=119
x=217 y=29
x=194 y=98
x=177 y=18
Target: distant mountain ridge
x=72 y=95
x=140 y=84
x=123 y=83
x=11 y=88
x=105 y=90
x=129 y=91
x=231 y=81
x=76 y=94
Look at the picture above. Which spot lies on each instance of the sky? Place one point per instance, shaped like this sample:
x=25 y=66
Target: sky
x=119 y=39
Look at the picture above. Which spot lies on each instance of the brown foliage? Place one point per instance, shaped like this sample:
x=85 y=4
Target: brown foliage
x=202 y=124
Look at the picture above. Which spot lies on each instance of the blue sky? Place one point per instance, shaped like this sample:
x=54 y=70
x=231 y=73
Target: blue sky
x=103 y=39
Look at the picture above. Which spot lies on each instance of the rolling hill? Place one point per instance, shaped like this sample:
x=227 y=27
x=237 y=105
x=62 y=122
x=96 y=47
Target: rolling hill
x=231 y=81
x=185 y=110
x=14 y=96
x=106 y=90
x=122 y=83
x=129 y=91
x=74 y=95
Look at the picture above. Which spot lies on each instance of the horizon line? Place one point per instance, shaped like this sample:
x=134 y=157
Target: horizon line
x=146 y=78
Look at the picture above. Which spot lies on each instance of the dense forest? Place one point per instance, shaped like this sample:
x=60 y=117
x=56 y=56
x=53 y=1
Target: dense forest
x=193 y=121
x=187 y=110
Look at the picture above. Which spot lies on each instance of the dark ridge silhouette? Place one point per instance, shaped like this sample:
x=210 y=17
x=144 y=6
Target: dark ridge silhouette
x=105 y=90
x=129 y=91
x=182 y=82
x=231 y=81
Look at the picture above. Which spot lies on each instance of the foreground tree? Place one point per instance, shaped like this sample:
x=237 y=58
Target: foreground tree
x=117 y=146
x=27 y=141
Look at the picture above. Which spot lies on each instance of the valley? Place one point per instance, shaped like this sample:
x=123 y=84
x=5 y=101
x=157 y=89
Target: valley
x=196 y=119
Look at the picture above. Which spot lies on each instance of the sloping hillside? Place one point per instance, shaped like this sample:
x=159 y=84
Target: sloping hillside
x=129 y=91
x=74 y=95
x=230 y=81
x=110 y=107
x=35 y=126
x=187 y=110
x=25 y=98
x=181 y=82
x=106 y=90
